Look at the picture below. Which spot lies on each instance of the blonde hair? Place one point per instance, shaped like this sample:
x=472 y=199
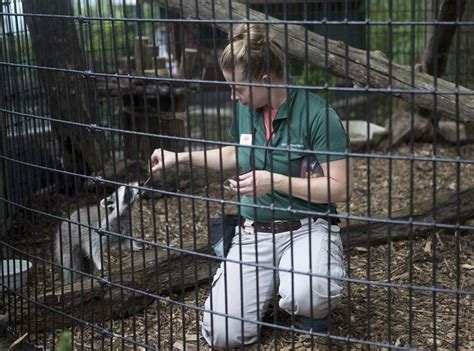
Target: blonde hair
x=254 y=52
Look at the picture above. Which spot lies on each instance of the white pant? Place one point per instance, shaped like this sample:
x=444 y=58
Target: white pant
x=238 y=292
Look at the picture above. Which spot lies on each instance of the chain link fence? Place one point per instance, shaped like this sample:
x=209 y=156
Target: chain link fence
x=373 y=249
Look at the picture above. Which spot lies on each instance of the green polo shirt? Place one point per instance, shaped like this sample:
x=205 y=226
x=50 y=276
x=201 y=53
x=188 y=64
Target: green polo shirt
x=303 y=123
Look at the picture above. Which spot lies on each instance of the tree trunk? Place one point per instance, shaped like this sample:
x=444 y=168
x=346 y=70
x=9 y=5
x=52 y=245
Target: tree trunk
x=329 y=54
x=435 y=60
x=68 y=89
x=461 y=59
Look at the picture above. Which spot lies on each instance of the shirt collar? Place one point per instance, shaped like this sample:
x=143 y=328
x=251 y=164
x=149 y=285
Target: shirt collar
x=282 y=110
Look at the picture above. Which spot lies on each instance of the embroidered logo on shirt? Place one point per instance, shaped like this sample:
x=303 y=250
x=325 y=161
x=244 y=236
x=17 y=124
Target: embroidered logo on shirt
x=293 y=146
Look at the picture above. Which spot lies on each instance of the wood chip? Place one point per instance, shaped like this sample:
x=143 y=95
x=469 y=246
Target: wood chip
x=428 y=247
x=178 y=345
x=17 y=342
x=356 y=314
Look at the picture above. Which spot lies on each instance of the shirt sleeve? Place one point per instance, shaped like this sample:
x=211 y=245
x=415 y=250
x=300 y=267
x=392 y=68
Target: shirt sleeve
x=328 y=134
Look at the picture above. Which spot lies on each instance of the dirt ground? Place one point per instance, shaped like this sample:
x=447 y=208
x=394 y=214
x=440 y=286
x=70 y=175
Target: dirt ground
x=408 y=314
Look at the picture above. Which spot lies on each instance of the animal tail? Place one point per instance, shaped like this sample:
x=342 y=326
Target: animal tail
x=68 y=254
x=94 y=247
x=70 y=259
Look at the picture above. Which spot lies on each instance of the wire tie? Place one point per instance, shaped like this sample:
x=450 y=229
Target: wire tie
x=100 y=231
x=82 y=19
x=105 y=283
x=106 y=332
x=89 y=74
x=93 y=128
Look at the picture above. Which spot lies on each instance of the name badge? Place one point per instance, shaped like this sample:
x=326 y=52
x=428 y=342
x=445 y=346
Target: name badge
x=246 y=139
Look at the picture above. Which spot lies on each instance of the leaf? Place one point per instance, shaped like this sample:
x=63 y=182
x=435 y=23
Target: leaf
x=65 y=341
x=467 y=266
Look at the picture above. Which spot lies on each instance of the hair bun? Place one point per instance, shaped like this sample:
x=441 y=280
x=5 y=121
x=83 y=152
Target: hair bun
x=239 y=32
x=255 y=51
x=254 y=33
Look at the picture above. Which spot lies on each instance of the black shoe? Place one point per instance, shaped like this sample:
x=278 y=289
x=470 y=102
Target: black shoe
x=316 y=325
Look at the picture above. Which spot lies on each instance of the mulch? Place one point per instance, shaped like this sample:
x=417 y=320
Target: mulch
x=407 y=314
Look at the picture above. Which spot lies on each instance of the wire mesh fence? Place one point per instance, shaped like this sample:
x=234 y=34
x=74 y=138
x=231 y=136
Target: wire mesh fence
x=255 y=174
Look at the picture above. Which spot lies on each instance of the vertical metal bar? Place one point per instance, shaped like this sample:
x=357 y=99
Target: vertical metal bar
x=412 y=185
x=390 y=177
x=180 y=205
x=457 y=57
x=434 y=180
x=34 y=103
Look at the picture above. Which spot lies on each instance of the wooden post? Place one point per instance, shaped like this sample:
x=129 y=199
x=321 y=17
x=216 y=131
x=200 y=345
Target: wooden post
x=186 y=65
x=165 y=115
x=151 y=52
x=140 y=53
x=126 y=64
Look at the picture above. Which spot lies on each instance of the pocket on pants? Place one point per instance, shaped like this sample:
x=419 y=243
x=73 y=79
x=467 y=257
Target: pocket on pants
x=217 y=276
x=335 y=250
x=335 y=238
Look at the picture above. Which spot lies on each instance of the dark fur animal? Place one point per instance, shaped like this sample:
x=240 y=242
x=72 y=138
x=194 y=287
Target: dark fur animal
x=79 y=247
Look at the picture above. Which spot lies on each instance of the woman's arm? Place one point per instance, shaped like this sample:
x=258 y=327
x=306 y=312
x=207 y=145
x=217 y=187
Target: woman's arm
x=335 y=186
x=338 y=174
x=217 y=159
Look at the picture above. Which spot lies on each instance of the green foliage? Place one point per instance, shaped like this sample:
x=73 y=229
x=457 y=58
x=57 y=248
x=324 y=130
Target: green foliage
x=110 y=39
x=307 y=74
x=403 y=42
x=65 y=341
x=106 y=40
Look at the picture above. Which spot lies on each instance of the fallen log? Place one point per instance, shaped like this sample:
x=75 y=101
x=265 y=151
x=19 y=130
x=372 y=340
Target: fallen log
x=166 y=272
x=159 y=272
x=108 y=86
x=448 y=210
x=364 y=69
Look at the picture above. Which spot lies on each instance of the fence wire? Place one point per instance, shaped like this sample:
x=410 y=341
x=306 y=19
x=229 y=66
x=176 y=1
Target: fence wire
x=327 y=144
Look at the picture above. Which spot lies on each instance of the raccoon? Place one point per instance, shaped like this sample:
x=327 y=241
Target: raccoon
x=78 y=247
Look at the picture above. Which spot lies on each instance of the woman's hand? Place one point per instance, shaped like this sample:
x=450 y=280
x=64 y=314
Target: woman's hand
x=162 y=159
x=261 y=181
